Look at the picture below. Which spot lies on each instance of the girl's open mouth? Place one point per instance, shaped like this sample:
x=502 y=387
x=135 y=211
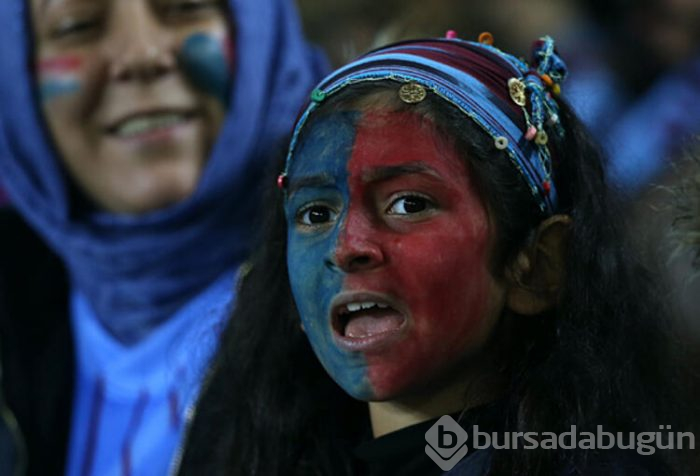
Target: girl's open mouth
x=363 y=322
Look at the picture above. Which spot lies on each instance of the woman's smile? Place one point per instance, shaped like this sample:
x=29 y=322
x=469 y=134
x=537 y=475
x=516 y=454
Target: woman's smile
x=134 y=94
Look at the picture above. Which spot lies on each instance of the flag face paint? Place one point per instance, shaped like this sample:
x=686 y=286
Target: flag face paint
x=58 y=77
x=388 y=253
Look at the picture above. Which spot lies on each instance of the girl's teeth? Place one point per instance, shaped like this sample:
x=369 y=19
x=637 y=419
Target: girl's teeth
x=357 y=306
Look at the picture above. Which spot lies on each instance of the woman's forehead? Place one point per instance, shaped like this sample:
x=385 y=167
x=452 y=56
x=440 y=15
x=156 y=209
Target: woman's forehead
x=42 y=6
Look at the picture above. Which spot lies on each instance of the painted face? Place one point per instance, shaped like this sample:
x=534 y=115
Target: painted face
x=388 y=252
x=134 y=93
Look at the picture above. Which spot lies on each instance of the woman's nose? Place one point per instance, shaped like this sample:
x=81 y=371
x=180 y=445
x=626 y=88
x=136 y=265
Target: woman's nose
x=358 y=247
x=138 y=46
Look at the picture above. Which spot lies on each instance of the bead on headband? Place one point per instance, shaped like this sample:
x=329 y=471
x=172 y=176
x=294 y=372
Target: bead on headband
x=508 y=98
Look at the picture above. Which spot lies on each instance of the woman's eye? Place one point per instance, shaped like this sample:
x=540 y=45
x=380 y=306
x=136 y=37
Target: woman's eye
x=315 y=215
x=75 y=27
x=410 y=204
x=181 y=8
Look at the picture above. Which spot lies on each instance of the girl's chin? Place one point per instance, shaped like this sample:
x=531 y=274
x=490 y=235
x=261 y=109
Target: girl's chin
x=362 y=392
x=368 y=393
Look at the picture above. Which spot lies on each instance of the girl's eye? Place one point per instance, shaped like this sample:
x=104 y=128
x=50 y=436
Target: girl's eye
x=410 y=204
x=316 y=215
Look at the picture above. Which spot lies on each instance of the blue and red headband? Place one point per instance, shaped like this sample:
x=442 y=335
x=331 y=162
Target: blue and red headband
x=509 y=99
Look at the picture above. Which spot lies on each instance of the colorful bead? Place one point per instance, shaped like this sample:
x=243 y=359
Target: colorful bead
x=451 y=34
x=556 y=89
x=531 y=132
x=546 y=186
x=282 y=181
x=541 y=138
x=553 y=119
x=486 y=38
x=501 y=143
x=317 y=95
x=547 y=80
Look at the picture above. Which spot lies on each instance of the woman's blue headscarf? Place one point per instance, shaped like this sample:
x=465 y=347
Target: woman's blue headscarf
x=137 y=270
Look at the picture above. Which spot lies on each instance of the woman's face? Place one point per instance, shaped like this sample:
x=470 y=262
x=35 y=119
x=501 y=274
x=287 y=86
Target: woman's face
x=388 y=253
x=133 y=92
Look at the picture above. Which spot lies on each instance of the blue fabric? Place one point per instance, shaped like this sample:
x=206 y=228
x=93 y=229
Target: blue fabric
x=655 y=127
x=643 y=134
x=136 y=271
x=130 y=403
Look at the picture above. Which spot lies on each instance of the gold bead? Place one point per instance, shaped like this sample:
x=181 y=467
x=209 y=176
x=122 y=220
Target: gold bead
x=412 y=93
x=516 y=88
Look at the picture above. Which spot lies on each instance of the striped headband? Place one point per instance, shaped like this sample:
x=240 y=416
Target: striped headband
x=509 y=99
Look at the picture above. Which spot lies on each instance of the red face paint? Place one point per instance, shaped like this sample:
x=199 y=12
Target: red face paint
x=229 y=48
x=59 y=64
x=417 y=232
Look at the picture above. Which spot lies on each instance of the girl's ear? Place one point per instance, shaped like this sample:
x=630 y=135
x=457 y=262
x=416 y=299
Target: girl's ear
x=536 y=277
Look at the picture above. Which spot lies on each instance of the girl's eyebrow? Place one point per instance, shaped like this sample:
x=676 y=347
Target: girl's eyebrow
x=323 y=179
x=384 y=173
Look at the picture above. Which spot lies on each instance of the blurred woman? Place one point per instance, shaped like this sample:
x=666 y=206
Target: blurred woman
x=132 y=136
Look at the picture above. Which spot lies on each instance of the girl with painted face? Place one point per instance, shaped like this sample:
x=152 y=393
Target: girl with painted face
x=442 y=244
x=132 y=137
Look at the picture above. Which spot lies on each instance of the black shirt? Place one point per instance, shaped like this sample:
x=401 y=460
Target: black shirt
x=402 y=452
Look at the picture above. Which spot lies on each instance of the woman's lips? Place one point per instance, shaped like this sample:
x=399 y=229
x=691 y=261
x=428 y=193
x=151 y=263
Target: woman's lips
x=366 y=321
x=151 y=125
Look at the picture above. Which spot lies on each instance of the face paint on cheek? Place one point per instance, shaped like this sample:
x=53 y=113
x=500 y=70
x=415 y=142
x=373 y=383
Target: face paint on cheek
x=229 y=52
x=323 y=152
x=450 y=318
x=208 y=63
x=437 y=269
x=58 y=77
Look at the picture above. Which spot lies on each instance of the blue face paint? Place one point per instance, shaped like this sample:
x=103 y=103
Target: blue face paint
x=323 y=154
x=54 y=88
x=206 y=64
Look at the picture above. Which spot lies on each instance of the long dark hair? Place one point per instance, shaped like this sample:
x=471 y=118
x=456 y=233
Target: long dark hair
x=269 y=408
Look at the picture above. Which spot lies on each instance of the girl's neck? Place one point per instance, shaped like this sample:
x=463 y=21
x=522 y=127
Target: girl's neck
x=469 y=390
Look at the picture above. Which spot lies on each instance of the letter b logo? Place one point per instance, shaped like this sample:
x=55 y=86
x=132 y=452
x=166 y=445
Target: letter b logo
x=446 y=438
x=446 y=443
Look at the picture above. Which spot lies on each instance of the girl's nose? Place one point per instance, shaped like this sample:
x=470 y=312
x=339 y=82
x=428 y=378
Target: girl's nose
x=138 y=46
x=358 y=247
